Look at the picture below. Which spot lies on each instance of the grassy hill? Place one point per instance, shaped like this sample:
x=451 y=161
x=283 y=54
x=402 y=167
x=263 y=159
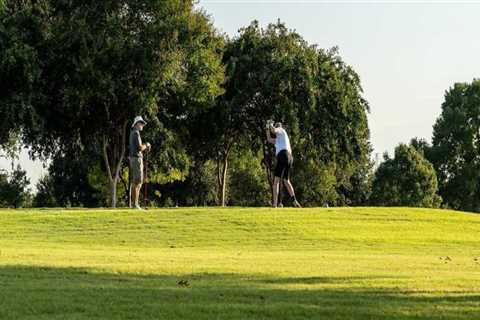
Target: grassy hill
x=339 y=263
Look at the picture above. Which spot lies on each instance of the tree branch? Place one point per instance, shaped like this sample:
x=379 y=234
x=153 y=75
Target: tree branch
x=123 y=148
x=105 y=158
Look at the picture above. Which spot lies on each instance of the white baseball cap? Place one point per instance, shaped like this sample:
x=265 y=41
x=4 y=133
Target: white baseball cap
x=138 y=119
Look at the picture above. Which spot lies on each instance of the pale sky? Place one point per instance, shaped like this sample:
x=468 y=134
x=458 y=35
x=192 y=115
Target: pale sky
x=407 y=53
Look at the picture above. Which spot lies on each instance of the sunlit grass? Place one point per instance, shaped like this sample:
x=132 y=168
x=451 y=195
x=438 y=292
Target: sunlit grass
x=240 y=263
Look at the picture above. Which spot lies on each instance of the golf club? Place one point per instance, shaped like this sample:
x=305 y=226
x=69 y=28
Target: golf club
x=129 y=186
x=145 y=196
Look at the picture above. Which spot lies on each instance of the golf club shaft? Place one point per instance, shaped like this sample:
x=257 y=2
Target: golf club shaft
x=129 y=185
x=146 y=180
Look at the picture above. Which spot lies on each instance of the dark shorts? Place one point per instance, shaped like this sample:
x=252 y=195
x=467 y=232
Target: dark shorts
x=136 y=170
x=284 y=165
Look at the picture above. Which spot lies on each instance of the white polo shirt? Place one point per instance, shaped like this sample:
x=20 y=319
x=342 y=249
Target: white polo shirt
x=282 y=142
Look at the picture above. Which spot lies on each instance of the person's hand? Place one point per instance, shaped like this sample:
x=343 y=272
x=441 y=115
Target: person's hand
x=269 y=124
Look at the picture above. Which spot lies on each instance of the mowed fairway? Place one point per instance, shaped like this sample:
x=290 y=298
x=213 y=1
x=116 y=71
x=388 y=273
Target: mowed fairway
x=208 y=263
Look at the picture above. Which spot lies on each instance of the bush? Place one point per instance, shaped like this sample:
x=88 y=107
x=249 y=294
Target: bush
x=406 y=180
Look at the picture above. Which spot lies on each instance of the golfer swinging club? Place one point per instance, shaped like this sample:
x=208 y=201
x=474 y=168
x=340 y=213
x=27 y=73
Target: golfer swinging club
x=136 y=159
x=283 y=152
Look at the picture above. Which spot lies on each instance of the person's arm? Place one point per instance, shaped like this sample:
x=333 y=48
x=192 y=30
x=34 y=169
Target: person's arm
x=269 y=137
x=148 y=146
x=144 y=146
x=138 y=143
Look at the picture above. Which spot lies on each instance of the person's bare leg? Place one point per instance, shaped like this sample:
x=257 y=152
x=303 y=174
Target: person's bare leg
x=291 y=192
x=289 y=186
x=133 y=188
x=136 y=194
x=276 y=185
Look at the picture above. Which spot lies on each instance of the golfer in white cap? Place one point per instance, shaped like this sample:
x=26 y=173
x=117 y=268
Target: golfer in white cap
x=136 y=149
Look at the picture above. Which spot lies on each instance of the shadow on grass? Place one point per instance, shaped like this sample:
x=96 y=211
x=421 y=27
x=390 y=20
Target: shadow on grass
x=69 y=293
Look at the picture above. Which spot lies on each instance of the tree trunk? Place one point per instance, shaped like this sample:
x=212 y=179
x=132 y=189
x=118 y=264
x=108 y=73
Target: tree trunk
x=117 y=155
x=219 y=183
x=224 y=179
x=126 y=185
x=222 y=174
x=113 y=194
x=267 y=161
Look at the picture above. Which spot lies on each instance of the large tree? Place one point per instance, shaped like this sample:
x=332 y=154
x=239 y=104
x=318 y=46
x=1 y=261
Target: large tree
x=455 y=151
x=268 y=77
x=216 y=132
x=103 y=62
x=273 y=73
x=334 y=140
x=408 y=179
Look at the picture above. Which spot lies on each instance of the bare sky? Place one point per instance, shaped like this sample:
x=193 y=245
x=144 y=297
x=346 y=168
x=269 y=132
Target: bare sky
x=407 y=53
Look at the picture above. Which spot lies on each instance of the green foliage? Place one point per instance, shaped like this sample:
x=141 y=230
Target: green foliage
x=45 y=196
x=168 y=160
x=273 y=73
x=99 y=185
x=248 y=185
x=198 y=189
x=315 y=184
x=406 y=180
x=101 y=63
x=20 y=32
x=68 y=174
x=14 y=190
x=75 y=73
x=455 y=151
x=11 y=146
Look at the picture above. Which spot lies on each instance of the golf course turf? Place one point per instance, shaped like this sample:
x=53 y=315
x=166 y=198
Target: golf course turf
x=239 y=263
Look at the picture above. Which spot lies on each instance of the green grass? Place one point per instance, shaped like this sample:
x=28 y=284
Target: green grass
x=345 y=263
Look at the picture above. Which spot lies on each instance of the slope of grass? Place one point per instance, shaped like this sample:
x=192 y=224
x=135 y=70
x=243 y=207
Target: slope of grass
x=240 y=263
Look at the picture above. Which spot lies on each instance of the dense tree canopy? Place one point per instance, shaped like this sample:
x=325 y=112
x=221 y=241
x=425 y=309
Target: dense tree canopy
x=19 y=67
x=78 y=72
x=408 y=179
x=14 y=190
x=455 y=151
x=100 y=63
x=274 y=73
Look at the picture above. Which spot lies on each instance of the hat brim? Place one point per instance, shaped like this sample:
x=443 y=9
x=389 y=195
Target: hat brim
x=142 y=121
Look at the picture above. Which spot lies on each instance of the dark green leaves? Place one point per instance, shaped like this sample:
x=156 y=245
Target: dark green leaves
x=406 y=180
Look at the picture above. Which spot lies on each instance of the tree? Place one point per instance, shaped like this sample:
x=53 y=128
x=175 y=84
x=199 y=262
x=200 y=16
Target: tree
x=247 y=186
x=197 y=189
x=334 y=136
x=104 y=62
x=406 y=180
x=169 y=161
x=422 y=146
x=3 y=187
x=273 y=73
x=266 y=79
x=217 y=131
x=455 y=151
x=14 y=188
x=69 y=177
x=45 y=197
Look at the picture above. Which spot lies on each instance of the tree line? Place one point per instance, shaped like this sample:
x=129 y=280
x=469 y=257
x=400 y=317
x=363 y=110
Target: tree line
x=74 y=74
